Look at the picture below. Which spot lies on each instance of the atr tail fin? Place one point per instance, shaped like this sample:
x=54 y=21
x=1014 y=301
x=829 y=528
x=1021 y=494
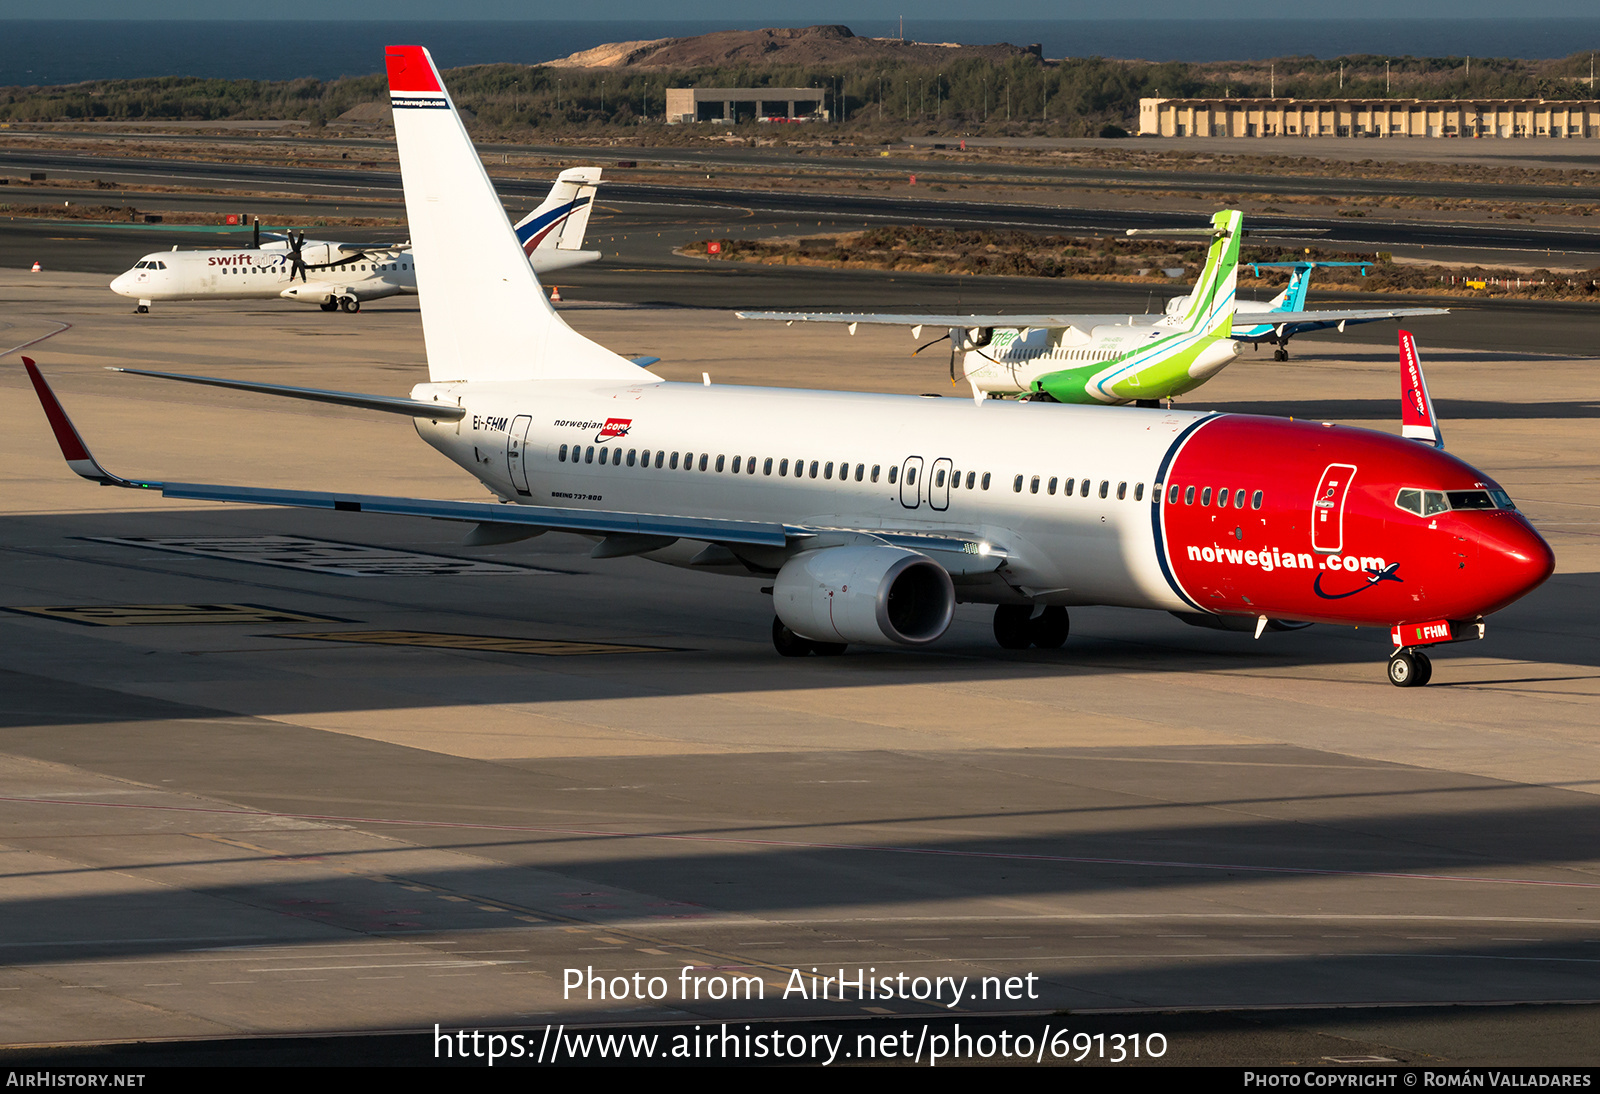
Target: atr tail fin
x=1211 y=303
x=484 y=316
x=560 y=222
x=1417 y=420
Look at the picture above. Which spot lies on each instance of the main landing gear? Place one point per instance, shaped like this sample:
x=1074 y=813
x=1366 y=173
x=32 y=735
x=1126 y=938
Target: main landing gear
x=349 y=303
x=1017 y=628
x=1410 y=669
x=1282 y=352
x=330 y=304
x=789 y=644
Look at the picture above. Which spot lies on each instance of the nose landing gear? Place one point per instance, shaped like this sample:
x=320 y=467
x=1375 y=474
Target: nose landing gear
x=1410 y=669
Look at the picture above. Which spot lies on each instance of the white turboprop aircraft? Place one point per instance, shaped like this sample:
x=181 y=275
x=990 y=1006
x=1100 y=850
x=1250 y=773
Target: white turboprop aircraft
x=343 y=275
x=869 y=517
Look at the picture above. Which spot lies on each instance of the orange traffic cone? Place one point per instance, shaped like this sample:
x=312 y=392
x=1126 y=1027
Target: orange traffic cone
x=37 y=267
x=555 y=292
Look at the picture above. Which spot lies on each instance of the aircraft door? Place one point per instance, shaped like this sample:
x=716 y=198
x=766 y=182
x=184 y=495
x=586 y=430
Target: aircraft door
x=516 y=442
x=939 y=484
x=910 y=482
x=1327 y=508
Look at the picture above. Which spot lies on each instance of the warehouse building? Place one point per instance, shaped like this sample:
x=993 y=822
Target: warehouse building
x=1369 y=118
x=730 y=105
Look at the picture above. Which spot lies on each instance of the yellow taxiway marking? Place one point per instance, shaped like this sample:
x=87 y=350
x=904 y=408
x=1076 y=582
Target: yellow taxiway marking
x=168 y=615
x=485 y=642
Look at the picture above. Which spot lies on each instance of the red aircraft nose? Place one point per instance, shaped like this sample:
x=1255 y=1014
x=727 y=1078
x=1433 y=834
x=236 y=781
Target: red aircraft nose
x=1513 y=560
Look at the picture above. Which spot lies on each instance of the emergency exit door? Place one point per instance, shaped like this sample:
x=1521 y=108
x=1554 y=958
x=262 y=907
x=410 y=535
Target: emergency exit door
x=516 y=442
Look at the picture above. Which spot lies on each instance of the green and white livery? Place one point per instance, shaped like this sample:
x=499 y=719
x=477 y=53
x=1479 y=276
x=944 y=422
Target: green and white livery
x=1089 y=358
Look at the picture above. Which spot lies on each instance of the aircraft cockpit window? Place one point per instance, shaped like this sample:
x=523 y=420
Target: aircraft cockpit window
x=1434 y=502
x=1471 y=499
x=1502 y=499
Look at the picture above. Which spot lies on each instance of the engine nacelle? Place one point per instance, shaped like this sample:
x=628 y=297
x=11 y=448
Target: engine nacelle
x=878 y=595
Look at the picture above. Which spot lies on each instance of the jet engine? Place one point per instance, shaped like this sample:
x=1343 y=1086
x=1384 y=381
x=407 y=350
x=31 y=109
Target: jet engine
x=879 y=595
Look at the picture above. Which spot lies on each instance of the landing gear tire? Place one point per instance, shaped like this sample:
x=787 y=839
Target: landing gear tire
x=142 y=309
x=1410 y=670
x=1013 y=627
x=789 y=644
x=329 y=304
x=1280 y=354
x=1050 y=629
x=350 y=304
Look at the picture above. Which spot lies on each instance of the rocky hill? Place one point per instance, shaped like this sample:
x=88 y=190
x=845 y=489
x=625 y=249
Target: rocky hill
x=820 y=45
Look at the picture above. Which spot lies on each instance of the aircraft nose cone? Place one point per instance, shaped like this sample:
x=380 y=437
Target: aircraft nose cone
x=1515 y=560
x=119 y=284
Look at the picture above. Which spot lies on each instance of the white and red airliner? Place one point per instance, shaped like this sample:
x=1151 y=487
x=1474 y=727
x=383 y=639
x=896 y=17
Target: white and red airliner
x=871 y=516
x=338 y=276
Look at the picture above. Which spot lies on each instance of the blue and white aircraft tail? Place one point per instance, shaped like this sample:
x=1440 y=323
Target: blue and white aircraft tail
x=552 y=235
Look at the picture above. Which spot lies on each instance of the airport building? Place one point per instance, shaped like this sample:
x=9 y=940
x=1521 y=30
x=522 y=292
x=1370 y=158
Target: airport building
x=1369 y=118
x=728 y=105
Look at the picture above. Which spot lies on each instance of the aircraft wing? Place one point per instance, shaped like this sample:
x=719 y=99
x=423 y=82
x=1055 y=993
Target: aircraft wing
x=626 y=533
x=1056 y=321
x=1317 y=320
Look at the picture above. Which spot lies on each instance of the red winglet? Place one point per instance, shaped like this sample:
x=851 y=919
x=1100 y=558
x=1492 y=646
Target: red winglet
x=72 y=446
x=411 y=69
x=73 y=449
x=1417 y=420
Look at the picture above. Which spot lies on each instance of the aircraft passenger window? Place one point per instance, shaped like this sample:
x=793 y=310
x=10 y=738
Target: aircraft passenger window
x=813 y=468
x=632 y=453
x=720 y=459
x=938 y=480
x=766 y=468
x=1122 y=491
x=644 y=458
x=1138 y=492
x=1033 y=487
x=985 y=482
x=1188 y=496
x=1222 y=498
x=616 y=458
x=827 y=472
x=861 y=471
x=1085 y=491
x=702 y=461
x=875 y=472
x=661 y=456
x=1105 y=488
x=1433 y=503
x=737 y=464
x=750 y=466
x=674 y=464
x=1471 y=499
x=588 y=456
x=970 y=476
x=1016 y=486
x=1205 y=495
x=602 y=457
x=1255 y=500
x=893 y=471
x=1238 y=499
x=1070 y=489
x=1052 y=488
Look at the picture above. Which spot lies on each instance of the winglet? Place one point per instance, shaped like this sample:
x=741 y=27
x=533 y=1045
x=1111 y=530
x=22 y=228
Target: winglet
x=73 y=450
x=1417 y=420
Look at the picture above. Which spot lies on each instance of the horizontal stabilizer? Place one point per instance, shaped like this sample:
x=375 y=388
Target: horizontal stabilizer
x=414 y=408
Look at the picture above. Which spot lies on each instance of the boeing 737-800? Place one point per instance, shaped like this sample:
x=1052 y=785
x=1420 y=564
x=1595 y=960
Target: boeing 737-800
x=344 y=275
x=869 y=517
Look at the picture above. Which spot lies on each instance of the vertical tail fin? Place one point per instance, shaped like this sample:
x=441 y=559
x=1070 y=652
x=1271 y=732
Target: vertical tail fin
x=484 y=316
x=561 y=220
x=1211 y=303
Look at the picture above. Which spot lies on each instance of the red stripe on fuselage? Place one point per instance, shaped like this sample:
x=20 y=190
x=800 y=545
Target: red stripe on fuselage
x=1392 y=567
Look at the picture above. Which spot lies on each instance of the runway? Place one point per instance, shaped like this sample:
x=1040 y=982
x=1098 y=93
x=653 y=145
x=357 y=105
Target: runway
x=374 y=803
